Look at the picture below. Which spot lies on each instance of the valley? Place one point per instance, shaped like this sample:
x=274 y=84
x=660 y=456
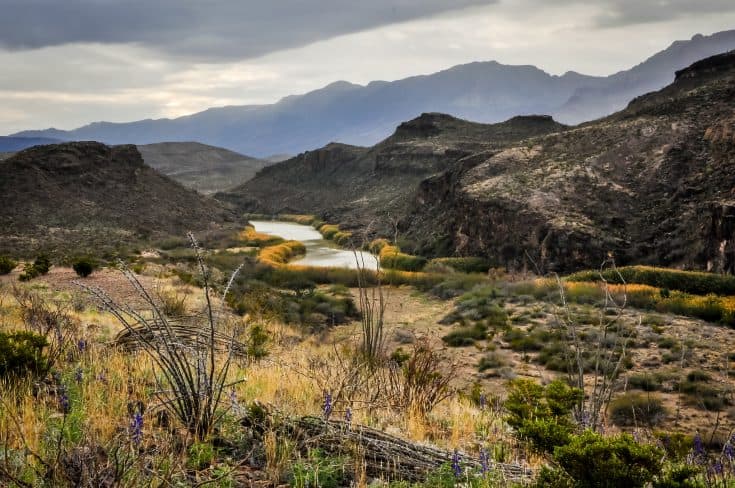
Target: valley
x=516 y=300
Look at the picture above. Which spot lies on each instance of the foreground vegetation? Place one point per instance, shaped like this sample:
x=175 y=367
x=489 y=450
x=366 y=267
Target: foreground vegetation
x=82 y=405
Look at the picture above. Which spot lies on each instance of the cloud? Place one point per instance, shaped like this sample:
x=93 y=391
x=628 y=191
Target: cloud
x=212 y=30
x=619 y=13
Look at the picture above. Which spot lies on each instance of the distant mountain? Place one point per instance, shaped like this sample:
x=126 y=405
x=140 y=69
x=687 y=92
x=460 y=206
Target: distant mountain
x=651 y=184
x=85 y=195
x=10 y=144
x=486 y=92
x=207 y=169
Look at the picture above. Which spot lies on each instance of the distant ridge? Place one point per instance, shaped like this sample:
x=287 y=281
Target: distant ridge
x=487 y=92
x=205 y=168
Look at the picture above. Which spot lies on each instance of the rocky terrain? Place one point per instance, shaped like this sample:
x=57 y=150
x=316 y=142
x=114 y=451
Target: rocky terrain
x=207 y=169
x=357 y=185
x=651 y=184
x=487 y=92
x=86 y=192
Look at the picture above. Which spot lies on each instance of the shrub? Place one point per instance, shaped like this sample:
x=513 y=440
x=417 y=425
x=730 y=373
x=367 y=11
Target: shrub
x=40 y=266
x=637 y=409
x=320 y=470
x=593 y=460
x=328 y=231
x=250 y=237
x=695 y=282
x=392 y=257
x=22 y=353
x=645 y=382
x=281 y=254
x=465 y=336
x=491 y=360
x=83 y=267
x=698 y=375
x=464 y=265
x=257 y=342
x=7 y=265
x=173 y=304
x=542 y=415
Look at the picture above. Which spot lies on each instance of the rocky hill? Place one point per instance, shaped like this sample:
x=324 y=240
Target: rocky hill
x=207 y=169
x=88 y=193
x=355 y=185
x=487 y=92
x=651 y=184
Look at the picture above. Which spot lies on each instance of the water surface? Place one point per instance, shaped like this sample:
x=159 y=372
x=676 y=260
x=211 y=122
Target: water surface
x=319 y=251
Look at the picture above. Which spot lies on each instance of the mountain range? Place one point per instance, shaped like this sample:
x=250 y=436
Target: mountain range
x=487 y=92
x=653 y=183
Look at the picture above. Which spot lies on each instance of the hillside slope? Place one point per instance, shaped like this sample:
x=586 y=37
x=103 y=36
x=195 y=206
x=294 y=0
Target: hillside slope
x=486 y=92
x=207 y=169
x=654 y=183
x=356 y=185
x=86 y=193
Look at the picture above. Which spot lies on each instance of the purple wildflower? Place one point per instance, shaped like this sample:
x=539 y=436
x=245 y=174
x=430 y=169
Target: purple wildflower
x=699 y=454
x=79 y=375
x=483 y=401
x=455 y=464
x=64 y=401
x=82 y=345
x=484 y=461
x=327 y=408
x=348 y=415
x=729 y=449
x=102 y=377
x=136 y=428
x=717 y=468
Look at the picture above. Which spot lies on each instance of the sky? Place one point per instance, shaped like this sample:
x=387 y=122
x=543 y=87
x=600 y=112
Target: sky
x=68 y=63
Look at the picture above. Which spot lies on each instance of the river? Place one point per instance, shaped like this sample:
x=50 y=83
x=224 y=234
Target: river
x=319 y=251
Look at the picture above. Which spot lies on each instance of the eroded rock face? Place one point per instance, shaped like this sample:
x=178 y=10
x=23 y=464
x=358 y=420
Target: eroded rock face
x=87 y=188
x=651 y=184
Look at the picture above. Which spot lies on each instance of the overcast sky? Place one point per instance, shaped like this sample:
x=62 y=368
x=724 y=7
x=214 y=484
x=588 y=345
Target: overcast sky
x=65 y=63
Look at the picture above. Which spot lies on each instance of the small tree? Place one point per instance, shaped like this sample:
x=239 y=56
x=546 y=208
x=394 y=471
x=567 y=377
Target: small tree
x=7 y=265
x=83 y=267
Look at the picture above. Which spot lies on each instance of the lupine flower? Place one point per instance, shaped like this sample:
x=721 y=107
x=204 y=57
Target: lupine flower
x=699 y=454
x=79 y=375
x=348 y=415
x=327 y=408
x=455 y=464
x=136 y=428
x=82 y=345
x=64 y=401
x=483 y=401
x=729 y=449
x=233 y=397
x=717 y=468
x=484 y=461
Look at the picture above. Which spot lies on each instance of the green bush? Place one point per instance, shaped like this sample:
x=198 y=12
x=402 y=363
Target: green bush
x=84 y=267
x=40 y=266
x=645 y=382
x=22 y=353
x=465 y=336
x=595 y=461
x=320 y=471
x=636 y=408
x=464 y=265
x=542 y=415
x=694 y=282
x=257 y=342
x=7 y=265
